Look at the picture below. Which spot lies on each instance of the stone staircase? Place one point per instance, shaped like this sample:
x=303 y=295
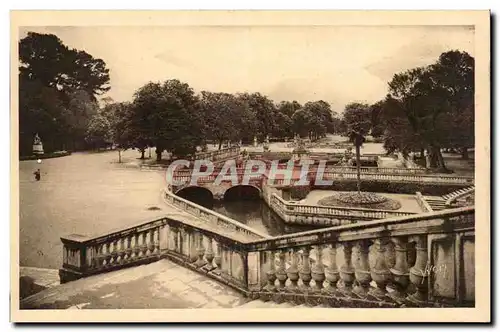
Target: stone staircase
x=458 y=193
x=438 y=203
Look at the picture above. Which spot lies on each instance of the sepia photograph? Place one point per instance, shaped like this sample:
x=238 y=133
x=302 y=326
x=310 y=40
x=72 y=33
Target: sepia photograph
x=250 y=166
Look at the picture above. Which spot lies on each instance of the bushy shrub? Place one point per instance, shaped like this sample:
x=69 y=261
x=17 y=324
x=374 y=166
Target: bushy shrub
x=299 y=192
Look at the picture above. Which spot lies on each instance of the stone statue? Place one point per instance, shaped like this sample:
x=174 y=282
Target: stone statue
x=427 y=159
x=37 y=140
x=37 y=145
x=254 y=141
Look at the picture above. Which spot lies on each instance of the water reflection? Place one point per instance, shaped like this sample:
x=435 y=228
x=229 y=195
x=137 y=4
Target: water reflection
x=243 y=204
x=257 y=215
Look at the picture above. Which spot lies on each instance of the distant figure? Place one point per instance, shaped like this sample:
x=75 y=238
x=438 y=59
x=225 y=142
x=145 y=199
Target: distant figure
x=37 y=175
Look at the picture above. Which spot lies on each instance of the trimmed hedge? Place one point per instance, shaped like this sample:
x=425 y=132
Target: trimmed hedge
x=394 y=187
x=55 y=154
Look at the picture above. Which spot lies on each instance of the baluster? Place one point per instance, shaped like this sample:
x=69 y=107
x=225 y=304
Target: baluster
x=362 y=270
x=175 y=238
x=200 y=251
x=332 y=275
x=209 y=255
x=151 y=241
x=145 y=243
x=305 y=271
x=139 y=239
x=218 y=258
x=105 y=251
x=347 y=270
x=418 y=275
x=271 y=273
x=112 y=252
x=156 y=235
x=380 y=272
x=127 y=248
x=192 y=246
x=281 y=272
x=293 y=271
x=400 y=269
x=133 y=246
x=318 y=270
x=118 y=251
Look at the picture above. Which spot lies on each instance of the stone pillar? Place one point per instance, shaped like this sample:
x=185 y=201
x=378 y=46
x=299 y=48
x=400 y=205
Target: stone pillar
x=347 y=270
x=362 y=270
x=400 y=270
x=380 y=272
x=418 y=275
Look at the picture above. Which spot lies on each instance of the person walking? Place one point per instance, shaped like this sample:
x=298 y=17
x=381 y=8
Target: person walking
x=37 y=175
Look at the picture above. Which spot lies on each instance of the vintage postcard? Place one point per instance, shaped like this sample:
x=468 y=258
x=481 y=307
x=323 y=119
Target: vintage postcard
x=247 y=166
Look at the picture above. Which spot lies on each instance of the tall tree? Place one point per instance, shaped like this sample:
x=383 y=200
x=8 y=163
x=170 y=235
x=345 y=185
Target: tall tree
x=99 y=131
x=60 y=83
x=170 y=113
x=222 y=113
x=45 y=58
x=438 y=103
x=288 y=107
x=357 y=118
x=264 y=110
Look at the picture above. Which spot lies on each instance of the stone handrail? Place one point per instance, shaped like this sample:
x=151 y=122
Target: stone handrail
x=195 y=247
x=383 y=271
x=458 y=196
x=342 y=173
x=211 y=216
x=326 y=215
x=377 y=274
x=424 y=205
x=219 y=154
x=429 y=178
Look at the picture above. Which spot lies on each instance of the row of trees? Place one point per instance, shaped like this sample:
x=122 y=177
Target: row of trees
x=171 y=116
x=427 y=109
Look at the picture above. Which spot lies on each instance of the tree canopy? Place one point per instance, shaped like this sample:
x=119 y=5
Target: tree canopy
x=58 y=92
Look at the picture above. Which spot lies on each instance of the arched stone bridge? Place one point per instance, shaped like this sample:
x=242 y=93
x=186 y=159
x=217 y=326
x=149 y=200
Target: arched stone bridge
x=219 y=190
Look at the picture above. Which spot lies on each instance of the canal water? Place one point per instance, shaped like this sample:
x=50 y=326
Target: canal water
x=243 y=204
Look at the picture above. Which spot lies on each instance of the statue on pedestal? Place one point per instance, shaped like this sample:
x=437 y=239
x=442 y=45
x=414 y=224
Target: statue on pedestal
x=255 y=141
x=37 y=145
x=266 y=143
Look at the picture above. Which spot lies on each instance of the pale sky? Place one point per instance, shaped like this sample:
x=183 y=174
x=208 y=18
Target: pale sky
x=338 y=64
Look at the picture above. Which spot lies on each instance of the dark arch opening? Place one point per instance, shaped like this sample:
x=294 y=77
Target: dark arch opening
x=242 y=192
x=199 y=195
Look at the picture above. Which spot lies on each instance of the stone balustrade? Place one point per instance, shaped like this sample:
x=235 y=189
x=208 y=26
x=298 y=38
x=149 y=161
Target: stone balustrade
x=420 y=178
x=211 y=217
x=219 y=155
x=424 y=260
x=424 y=205
x=454 y=197
x=84 y=256
x=202 y=250
x=344 y=173
x=321 y=216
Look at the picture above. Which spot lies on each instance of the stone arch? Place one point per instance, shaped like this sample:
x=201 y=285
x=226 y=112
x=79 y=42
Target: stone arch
x=242 y=192
x=196 y=194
